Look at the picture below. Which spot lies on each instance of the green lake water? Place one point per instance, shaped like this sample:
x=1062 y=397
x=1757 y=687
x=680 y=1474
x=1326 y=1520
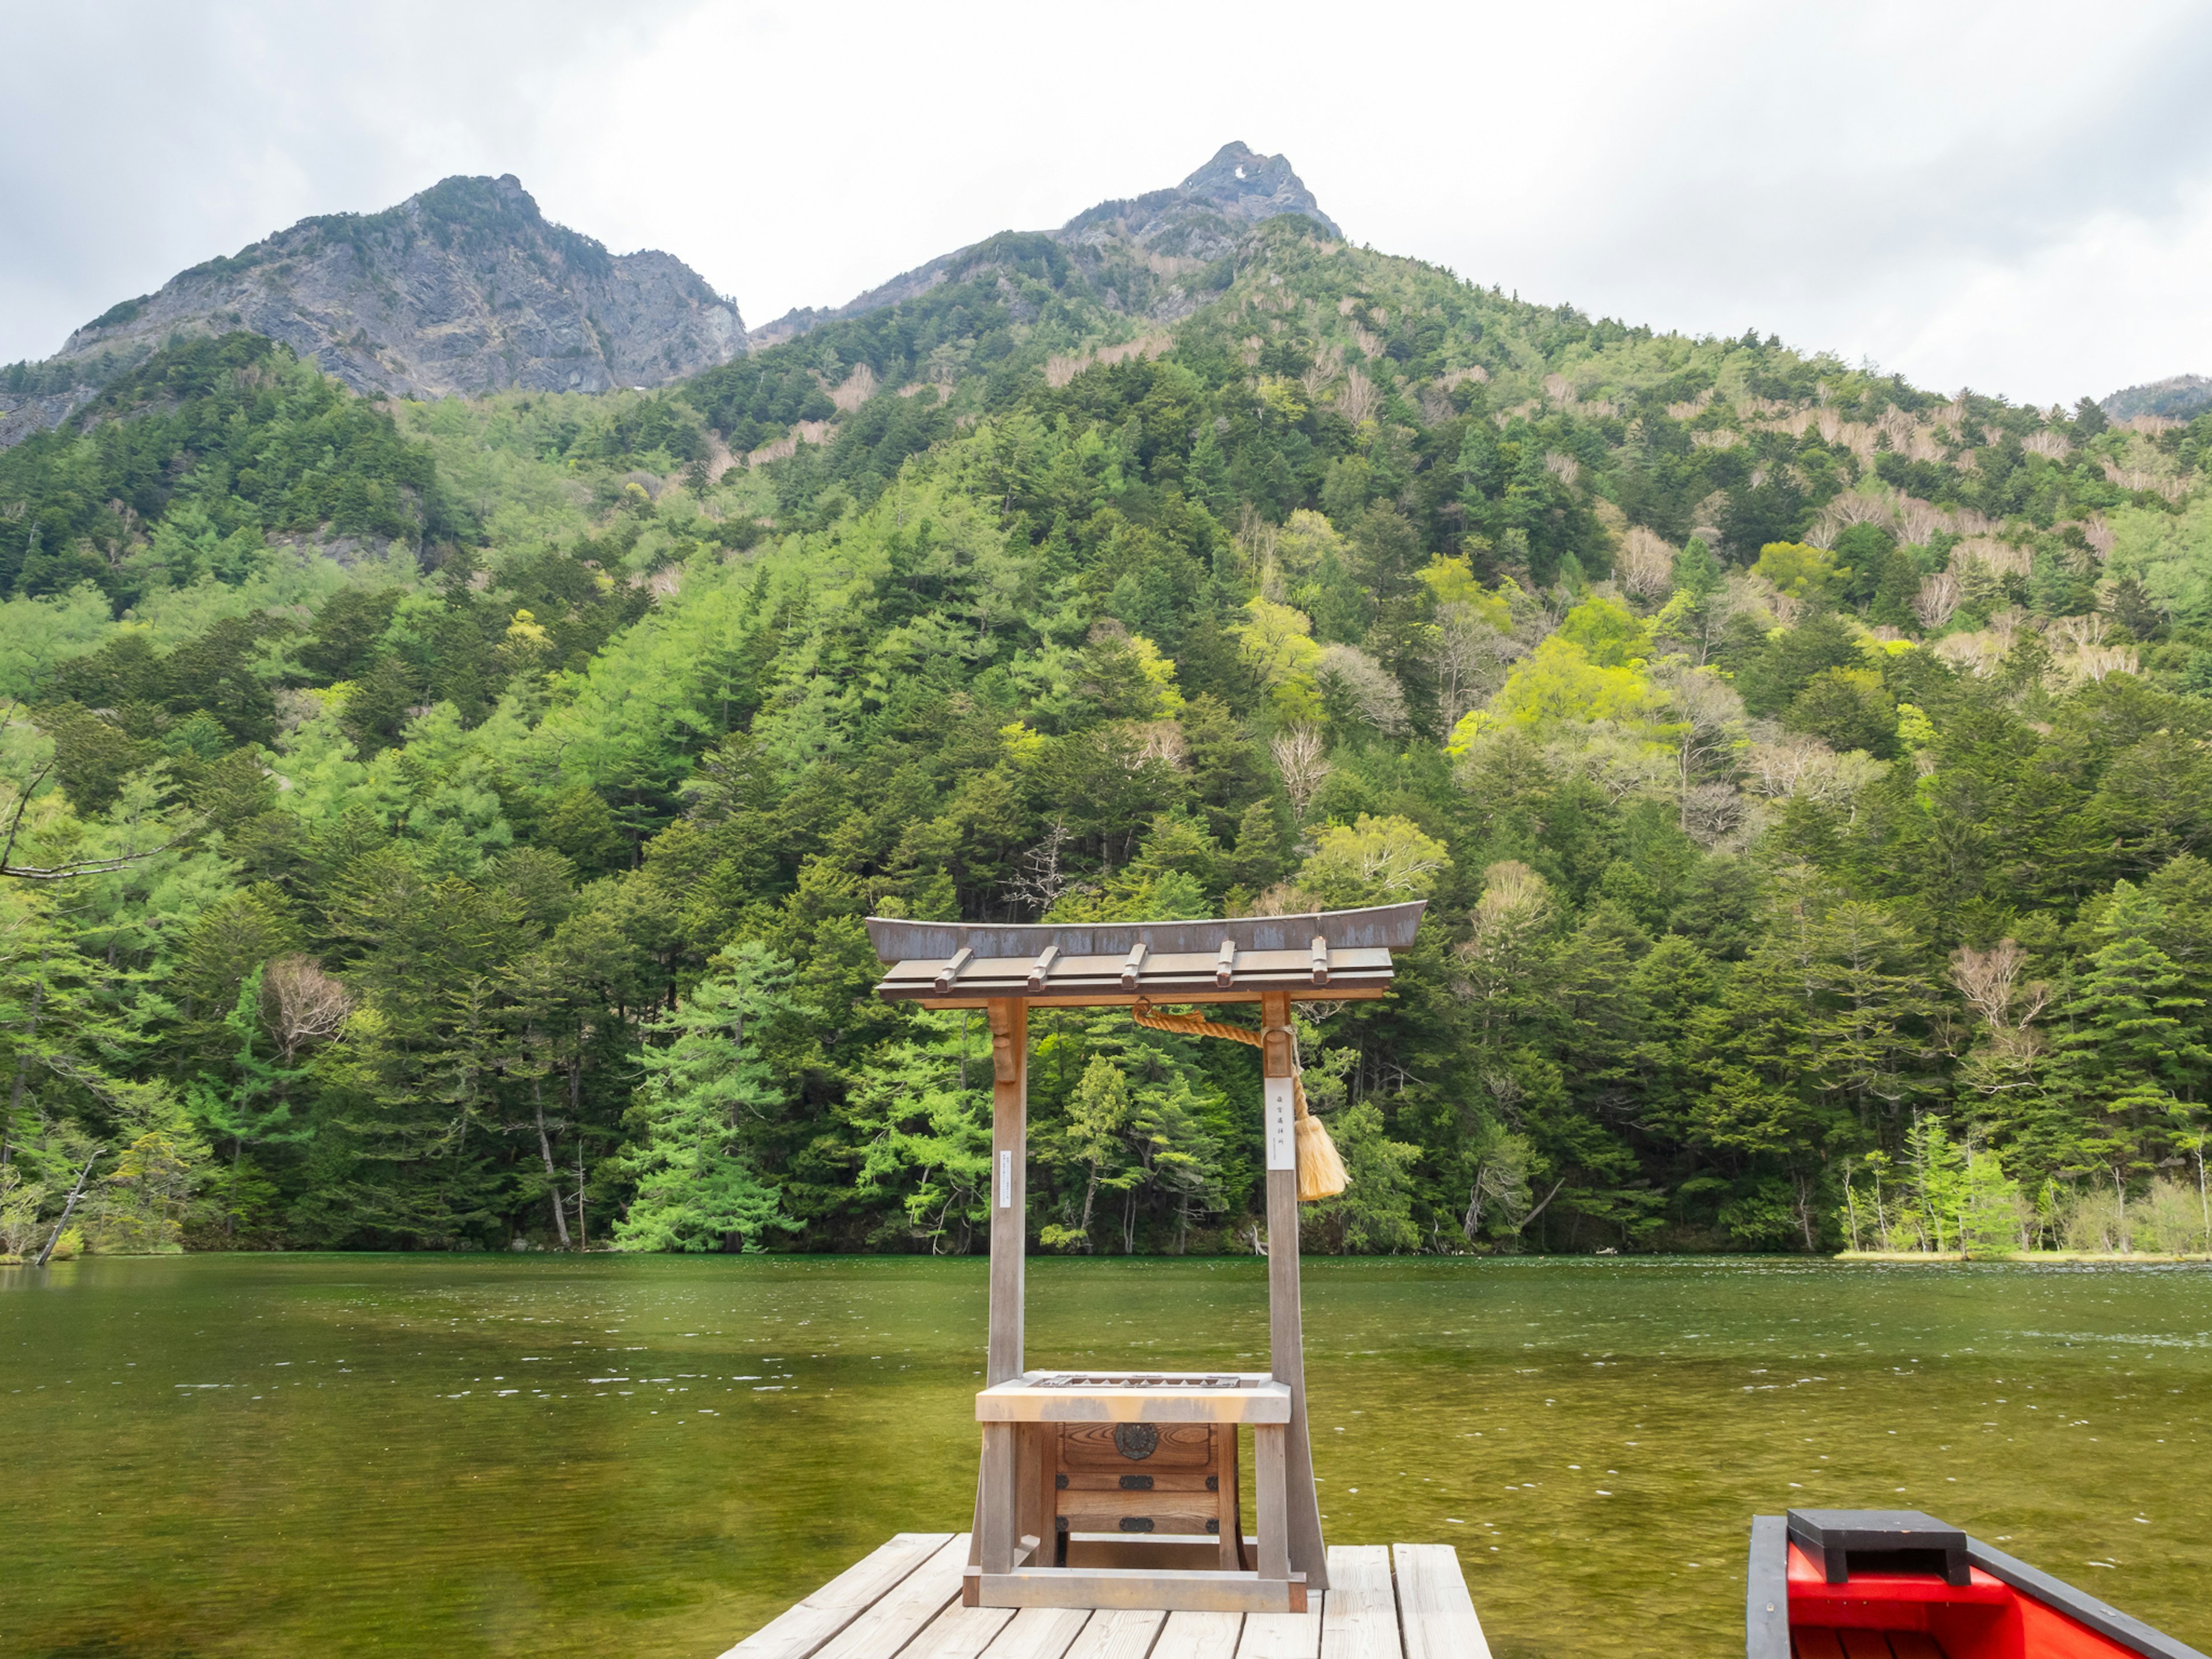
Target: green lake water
x=460 y=1456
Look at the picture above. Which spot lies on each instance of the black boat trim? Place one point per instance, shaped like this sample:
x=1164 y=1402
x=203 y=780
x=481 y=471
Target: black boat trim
x=1766 y=1590
x=1766 y=1604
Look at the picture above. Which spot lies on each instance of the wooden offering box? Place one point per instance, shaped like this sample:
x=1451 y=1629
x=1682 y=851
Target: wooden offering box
x=1117 y=1490
x=1124 y=1454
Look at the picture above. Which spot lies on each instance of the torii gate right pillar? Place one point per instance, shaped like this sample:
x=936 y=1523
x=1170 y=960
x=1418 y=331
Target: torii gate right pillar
x=1300 y=1529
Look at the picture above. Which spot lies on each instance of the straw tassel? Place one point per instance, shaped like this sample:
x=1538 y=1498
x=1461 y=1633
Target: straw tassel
x=1320 y=1169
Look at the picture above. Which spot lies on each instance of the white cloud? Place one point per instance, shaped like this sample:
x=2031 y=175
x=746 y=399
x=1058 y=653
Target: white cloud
x=2017 y=198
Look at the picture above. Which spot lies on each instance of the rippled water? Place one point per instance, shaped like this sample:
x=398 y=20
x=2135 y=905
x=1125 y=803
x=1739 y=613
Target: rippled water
x=350 y=1455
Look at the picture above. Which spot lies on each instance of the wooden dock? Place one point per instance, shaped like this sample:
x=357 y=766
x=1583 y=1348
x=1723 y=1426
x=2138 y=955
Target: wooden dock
x=1403 y=1601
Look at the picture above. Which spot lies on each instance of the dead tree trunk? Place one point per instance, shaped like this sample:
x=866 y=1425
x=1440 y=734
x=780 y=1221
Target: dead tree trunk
x=55 y=1237
x=552 y=1175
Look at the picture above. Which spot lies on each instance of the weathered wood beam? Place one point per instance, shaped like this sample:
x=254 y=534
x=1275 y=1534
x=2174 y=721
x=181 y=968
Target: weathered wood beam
x=1286 y=1322
x=1009 y=1022
x=1174 y=1591
x=999 y=1497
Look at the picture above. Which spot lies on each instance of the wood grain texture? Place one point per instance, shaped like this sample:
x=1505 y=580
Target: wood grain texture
x=869 y=1579
x=959 y=1632
x=1126 y=1634
x=1435 y=1612
x=1268 y=1494
x=1025 y=1400
x=802 y=1630
x=1199 y=1636
x=1039 y=1633
x=1184 y=1446
x=1001 y=1501
x=1008 y=1017
x=793 y=1633
x=1360 y=1620
x=1033 y=1481
x=909 y=1605
x=1204 y=1590
x=1286 y=1336
x=1282 y=1635
x=1229 y=1521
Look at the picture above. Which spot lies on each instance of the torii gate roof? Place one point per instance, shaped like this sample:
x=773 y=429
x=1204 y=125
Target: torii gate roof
x=1317 y=956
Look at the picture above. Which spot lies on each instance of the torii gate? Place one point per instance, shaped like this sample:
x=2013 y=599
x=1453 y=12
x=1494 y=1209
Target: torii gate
x=1119 y=1489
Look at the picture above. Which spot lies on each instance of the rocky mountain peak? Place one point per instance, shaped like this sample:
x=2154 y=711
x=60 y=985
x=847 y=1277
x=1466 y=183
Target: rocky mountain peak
x=1195 y=222
x=1240 y=183
x=464 y=287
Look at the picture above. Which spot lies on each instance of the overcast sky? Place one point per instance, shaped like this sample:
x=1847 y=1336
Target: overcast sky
x=2016 y=197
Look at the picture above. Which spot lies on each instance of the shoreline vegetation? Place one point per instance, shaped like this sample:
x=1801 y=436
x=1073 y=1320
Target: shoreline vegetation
x=2033 y=1258
x=449 y=824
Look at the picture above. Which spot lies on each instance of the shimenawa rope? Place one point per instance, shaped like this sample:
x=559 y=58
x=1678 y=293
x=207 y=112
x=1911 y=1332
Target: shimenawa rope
x=1320 y=1170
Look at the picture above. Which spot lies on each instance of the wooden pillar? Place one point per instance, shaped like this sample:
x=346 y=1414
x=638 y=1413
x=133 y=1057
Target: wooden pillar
x=998 y=1497
x=1009 y=1137
x=1286 y=1326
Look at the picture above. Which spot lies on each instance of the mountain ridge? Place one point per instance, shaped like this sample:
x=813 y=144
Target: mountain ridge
x=465 y=287
x=2176 y=396
x=1181 y=229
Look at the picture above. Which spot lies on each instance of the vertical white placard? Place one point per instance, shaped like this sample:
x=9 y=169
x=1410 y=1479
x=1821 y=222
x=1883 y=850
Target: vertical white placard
x=1282 y=1144
x=1006 y=1180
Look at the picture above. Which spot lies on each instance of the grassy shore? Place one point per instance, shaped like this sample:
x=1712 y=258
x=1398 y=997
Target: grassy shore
x=2038 y=1257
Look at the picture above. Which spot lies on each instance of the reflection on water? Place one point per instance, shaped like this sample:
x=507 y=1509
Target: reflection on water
x=345 y=1454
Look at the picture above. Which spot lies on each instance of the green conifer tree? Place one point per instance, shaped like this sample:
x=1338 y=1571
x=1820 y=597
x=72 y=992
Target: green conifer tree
x=699 y=1186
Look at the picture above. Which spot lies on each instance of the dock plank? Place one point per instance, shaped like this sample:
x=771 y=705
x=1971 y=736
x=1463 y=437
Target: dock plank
x=794 y=1633
x=871 y=1577
x=1283 y=1635
x=1435 y=1612
x=906 y=1608
x=1040 y=1633
x=799 y=1632
x=1360 y=1620
x=1199 y=1636
x=1119 y=1633
x=959 y=1632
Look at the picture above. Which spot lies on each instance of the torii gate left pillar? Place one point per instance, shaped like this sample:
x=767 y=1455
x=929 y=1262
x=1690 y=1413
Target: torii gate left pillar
x=1003 y=1518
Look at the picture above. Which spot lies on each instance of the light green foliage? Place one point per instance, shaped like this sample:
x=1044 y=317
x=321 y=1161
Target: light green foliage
x=1373 y=861
x=1374 y=1214
x=698 y=1187
x=1802 y=572
x=929 y=1139
x=1608 y=633
x=2171 y=554
x=37 y=635
x=1557 y=684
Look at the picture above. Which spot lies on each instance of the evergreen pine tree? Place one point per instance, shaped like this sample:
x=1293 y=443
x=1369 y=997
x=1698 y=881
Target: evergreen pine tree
x=699 y=1186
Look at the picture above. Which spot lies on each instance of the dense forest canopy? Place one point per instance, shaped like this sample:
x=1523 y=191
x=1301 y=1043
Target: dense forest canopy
x=1809 y=774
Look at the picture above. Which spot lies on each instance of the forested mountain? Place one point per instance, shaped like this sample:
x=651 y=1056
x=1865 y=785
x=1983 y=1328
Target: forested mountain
x=463 y=288
x=2181 y=395
x=1159 y=254
x=477 y=802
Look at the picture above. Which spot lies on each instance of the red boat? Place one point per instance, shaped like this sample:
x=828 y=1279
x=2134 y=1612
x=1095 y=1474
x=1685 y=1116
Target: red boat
x=1899 y=1584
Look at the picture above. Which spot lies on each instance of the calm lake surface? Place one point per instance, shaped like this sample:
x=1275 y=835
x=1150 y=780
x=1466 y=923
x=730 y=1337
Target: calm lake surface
x=222 y=1455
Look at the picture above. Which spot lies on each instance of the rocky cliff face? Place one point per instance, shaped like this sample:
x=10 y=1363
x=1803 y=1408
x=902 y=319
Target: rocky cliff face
x=1148 y=240
x=464 y=288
